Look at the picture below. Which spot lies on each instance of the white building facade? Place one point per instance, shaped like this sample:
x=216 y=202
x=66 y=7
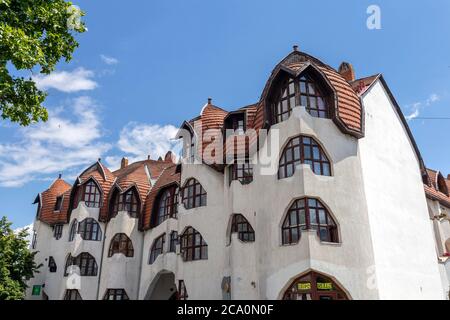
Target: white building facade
x=328 y=198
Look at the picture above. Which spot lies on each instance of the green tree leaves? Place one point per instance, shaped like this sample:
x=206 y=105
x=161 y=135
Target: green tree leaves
x=34 y=34
x=16 y=262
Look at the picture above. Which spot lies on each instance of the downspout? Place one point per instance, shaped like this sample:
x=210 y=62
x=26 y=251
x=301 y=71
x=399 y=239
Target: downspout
x=140 y=264
x=101 y=262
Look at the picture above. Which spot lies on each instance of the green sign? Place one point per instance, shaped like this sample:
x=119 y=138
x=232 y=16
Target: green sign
x=324 y=286
x=304 y=286
x=36 y=290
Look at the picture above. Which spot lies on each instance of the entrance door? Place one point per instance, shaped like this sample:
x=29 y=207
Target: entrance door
x=162 y=287
x=314 y=286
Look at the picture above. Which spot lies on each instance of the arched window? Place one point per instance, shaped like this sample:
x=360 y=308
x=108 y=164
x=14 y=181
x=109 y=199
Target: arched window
x=115 y=294
x=182 y=291
x=167 y=204
x=72 y=294
x=157 y=248
x=299 y=150
x=116 y=203
x=120 y=243
x=131 y=203
x=303 y=91
x=193 y=194
x=308 y=214
x=52 y=264
x=73 y=230
x=91 y=194
x=312 y=98
x=242 y=227
x=84 y=261
x=89 y=229
x=174 y=240
x=314 y=286
x=128 y=201
x=286 y=101
x=193 y=247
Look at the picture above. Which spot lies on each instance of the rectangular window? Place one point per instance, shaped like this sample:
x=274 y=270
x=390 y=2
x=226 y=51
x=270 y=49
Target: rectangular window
x=34 y=241
x=57 y=231
x=58 y=203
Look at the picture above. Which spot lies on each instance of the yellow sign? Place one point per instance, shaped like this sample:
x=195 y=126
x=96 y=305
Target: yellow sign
x=304 y=286
x=324 y=285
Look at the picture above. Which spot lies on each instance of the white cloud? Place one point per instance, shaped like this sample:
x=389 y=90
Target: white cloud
x=30 y=232
x=67 y=81
x=109 y=60
x=138 y=141
x=418 y=106
x=61 y=144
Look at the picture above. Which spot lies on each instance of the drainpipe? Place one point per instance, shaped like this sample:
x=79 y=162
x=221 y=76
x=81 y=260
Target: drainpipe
x=140 y=263
x=101 y=262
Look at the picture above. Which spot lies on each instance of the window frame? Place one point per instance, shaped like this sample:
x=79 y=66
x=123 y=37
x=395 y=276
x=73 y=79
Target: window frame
x=247 y=235
x=115 y=294
x=69 y=293
x=57 y=231
x=192 y=184
x=182 y=293
x=242 y=172
x=52 y=267
x=58 y=204
x=174 y=241
x=303 y=213
x=73 y=230
x=121 y=243
x=302 y=150
x=290 y=93
x=93 y=192
x=157 y=248
x=85 y=262
x=190 y=250
x=167 y=205
x=89 y=229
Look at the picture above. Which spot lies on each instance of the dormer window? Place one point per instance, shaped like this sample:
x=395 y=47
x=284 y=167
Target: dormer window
x=312 y=98
x=167 y=204
x=304 y=91
x=235 y=122
x=441 y=184
x=89 y=193
x=128 y=201
x=58 y=203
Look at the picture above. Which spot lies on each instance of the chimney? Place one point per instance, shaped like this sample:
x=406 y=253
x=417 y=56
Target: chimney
x=295 y=47
x=148 y=157
x=346 y=71
x=209 y=100
x=169 y=157
x=124 y=162
x=60 y=176
x=160 y=159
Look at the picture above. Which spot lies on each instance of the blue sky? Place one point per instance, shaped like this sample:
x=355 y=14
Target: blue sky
x=145 y=66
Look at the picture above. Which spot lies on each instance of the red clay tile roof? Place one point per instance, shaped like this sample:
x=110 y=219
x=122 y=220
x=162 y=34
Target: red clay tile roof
x=105 y=179
x=134 y=174
x=432 y=191
x=48 y=200
x=168 y=177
